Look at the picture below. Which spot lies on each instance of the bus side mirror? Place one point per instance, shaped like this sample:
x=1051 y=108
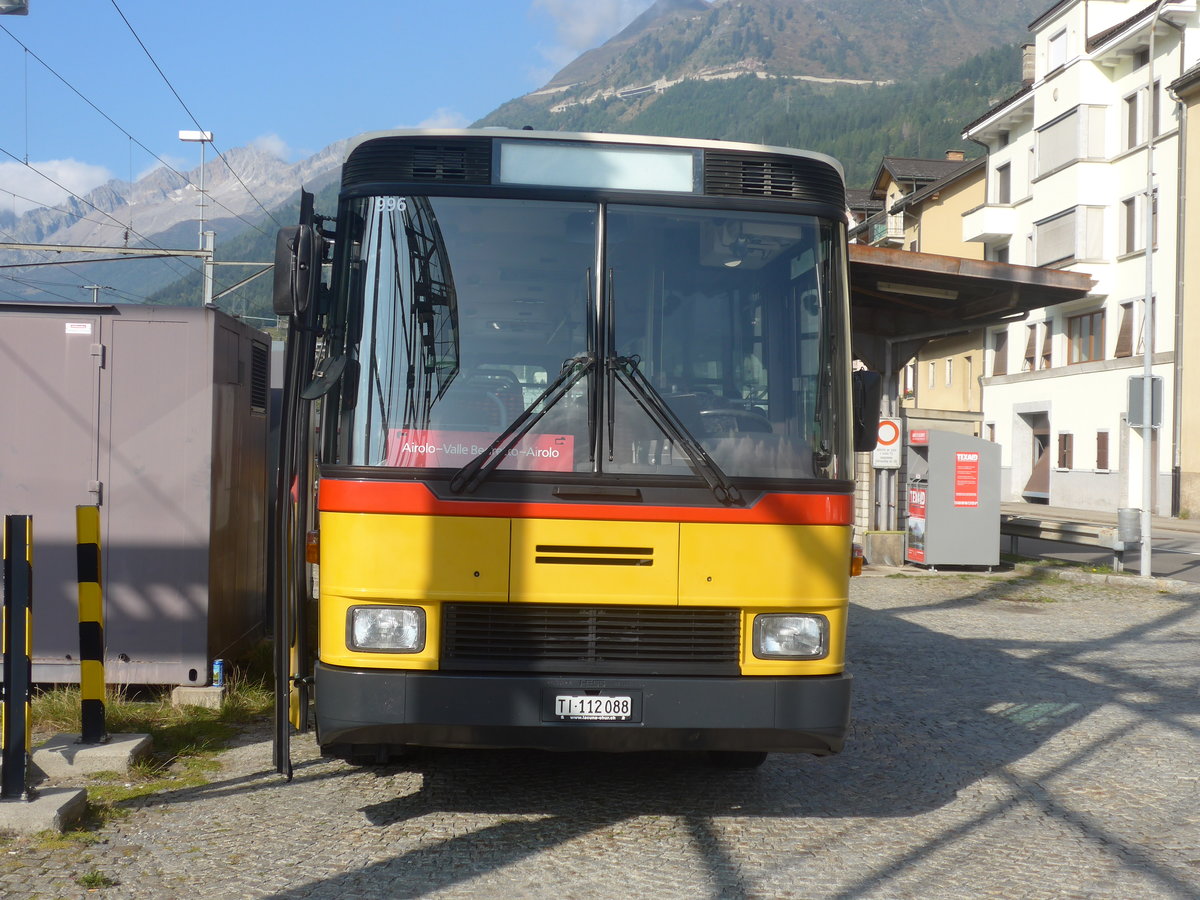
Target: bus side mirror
x=297 y=269
x=867 y=390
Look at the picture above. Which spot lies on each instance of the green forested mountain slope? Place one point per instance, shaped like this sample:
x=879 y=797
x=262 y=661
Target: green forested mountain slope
x=855 y=124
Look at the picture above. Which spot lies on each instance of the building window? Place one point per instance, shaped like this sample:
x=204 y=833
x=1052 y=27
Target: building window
x=989 y=431
x=1102 y=450
x=1085 y=337
x=1065 y=450
x=1047 y=347
x=1000 y=353
x=1004 y=183
x=1133 y=223
x=1077 y=135
x=1075 y=234
x=949 y=372
x=1056 y=51
x=999 y=254
x=932 y=374
x=1134 y=112
x=1030 y=348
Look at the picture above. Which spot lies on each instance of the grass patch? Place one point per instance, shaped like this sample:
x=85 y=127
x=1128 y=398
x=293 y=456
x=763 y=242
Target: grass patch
x=95 y=879
x=185 y=739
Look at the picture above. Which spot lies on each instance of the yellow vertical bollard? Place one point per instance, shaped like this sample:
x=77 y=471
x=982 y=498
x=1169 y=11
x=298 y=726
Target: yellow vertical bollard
x=91 y=625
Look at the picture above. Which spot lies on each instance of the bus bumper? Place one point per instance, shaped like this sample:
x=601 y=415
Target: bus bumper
x=388 y=707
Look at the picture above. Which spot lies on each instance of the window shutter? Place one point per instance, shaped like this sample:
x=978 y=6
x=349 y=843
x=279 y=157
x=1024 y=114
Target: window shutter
x=1124 y=335
x=1064 y=451
x=1000 y=354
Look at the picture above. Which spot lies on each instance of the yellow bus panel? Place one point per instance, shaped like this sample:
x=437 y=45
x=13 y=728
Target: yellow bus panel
x=788 y=566
x=412 y=558
x=570 y=561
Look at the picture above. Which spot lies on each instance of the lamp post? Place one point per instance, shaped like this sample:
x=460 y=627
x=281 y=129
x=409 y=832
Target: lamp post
x=1148 y=315
x=201 y=138
x=206 y=243
x=14 y=7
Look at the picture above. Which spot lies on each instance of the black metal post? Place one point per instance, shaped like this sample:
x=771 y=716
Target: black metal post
x=18 y=653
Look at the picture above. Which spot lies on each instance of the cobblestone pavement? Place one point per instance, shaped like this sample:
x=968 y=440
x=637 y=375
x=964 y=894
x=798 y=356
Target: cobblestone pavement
x=1012 y=738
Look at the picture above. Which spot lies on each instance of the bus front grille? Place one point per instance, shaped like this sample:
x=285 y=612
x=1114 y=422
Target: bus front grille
x=634 y=640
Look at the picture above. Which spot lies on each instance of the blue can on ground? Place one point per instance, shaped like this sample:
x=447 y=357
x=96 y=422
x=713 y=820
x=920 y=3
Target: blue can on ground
x=218 y=673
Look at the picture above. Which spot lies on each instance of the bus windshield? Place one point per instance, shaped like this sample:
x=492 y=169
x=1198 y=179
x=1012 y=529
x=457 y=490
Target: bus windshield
x=462 y=315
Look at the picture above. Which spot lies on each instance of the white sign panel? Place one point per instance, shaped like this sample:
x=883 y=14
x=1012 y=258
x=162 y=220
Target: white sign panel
x=886 y=454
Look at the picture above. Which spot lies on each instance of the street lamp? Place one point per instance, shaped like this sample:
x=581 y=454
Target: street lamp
x=14 y=7
x=202 y=138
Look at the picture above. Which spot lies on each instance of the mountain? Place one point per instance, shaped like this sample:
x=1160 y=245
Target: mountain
x=856 y=79
x=839 y=40
x=162 y=210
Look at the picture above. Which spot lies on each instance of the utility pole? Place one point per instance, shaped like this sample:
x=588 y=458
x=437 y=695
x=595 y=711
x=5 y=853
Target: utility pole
x=95 y=289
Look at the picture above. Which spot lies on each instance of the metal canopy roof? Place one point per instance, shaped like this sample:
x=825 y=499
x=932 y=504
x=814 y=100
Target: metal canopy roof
x=901 y=294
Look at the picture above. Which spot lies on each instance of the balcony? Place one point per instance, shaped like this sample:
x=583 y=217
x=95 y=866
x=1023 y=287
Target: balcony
x=883 y=230
x=989 y=223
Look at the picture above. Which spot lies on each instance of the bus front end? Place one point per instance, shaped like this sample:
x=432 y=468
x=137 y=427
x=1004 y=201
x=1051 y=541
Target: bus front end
x=584 y=447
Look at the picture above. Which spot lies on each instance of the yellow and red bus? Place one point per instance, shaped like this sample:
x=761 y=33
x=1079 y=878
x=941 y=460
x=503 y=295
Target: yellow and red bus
x=578 y=413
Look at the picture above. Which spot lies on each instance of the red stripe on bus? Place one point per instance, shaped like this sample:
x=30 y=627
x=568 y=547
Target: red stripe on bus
x=414 y=498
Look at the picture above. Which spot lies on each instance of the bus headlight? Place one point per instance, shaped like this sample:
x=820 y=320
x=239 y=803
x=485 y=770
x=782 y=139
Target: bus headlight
x=791 y=636
x=386 y=629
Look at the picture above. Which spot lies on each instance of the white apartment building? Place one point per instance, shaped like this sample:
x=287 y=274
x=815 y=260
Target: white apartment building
x=1070 y=158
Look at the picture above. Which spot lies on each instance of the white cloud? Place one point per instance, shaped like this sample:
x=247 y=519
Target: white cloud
x=444 y=117
x=580 y=25
x=75 y=177
x=272 y=144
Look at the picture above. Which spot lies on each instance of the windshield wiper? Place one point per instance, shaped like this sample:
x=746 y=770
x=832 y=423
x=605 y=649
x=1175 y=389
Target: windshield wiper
x=470 y=476
x=625 y=369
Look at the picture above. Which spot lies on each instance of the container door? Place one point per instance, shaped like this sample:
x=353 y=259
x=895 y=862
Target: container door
x=50 y=371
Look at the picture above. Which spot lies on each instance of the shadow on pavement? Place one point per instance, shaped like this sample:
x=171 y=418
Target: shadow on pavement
x=934 y=713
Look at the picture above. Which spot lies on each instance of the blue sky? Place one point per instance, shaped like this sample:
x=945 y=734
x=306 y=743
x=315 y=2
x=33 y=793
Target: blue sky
x=291 y=75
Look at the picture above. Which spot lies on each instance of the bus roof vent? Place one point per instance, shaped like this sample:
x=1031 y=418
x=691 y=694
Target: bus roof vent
x=420 y=161
x=733 y=174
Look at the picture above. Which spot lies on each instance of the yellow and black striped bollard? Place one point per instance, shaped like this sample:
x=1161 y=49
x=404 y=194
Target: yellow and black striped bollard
x=91 y=625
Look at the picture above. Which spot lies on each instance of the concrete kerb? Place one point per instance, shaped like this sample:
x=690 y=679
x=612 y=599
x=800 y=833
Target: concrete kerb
x=50 y=809
x=64 y=757
x=1066 y=573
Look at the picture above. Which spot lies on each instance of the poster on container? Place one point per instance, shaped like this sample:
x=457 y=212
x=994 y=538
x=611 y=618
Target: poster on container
x=917 y=496
x=966 y=479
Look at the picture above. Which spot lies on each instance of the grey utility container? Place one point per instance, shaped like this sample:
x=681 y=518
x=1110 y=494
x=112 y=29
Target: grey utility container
x=159 y=415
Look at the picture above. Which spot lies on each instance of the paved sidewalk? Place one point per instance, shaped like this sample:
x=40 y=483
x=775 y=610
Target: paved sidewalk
x=1012 y=737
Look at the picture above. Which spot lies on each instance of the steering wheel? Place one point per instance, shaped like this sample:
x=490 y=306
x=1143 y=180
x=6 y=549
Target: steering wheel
x=742 y=419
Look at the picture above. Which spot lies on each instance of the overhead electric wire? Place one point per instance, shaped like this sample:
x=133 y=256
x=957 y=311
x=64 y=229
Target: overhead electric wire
x=183 y=261
x=116 y=125
x=195 y=121
x=83 y=282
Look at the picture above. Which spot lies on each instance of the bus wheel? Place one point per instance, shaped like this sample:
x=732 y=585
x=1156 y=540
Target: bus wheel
x=737 y=759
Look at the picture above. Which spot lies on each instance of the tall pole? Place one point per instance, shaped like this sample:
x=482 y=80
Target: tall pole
x=1148 y=317
x=201 y=138
x=202 y=145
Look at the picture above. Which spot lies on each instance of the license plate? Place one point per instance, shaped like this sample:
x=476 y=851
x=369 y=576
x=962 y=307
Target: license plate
x=584 y=706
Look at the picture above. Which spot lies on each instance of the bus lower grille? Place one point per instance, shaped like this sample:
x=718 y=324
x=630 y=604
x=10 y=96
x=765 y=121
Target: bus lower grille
x=634 y=640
